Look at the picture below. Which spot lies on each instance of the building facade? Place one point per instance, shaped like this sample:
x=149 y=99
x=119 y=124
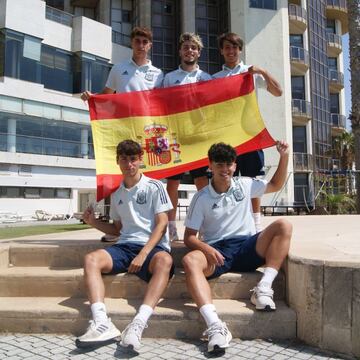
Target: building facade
x=51 y=51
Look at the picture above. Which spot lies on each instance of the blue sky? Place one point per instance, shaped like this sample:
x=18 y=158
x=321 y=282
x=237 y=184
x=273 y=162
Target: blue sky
x=345 y=40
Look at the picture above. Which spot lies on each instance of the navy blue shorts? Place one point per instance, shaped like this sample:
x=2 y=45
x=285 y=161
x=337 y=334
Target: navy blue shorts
x=194 y=173
x=250 y=164
x=240 y=255
x=123 y=254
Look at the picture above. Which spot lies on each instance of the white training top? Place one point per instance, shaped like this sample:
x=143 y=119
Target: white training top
x=127 y=76
x=182 y=77
x=240 y=68
x=227 y=215
x=136 y=209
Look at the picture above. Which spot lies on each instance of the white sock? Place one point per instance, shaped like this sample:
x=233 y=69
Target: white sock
x=144 y=313
x=98 y=311
x=172 y=224
x=268 y=277
x=208 y=312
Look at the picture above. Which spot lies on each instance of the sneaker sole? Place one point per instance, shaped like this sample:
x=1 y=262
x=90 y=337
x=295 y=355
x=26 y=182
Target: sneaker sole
x=130 y=347
x=267 y=308
x=92 y=344
x=217 y=350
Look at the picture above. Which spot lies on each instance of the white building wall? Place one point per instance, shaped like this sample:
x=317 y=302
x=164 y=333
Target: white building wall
x=266 y=37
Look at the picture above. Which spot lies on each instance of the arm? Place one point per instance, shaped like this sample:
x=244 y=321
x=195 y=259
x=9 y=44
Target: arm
x=213 y=256
x=112 y=229
x=161 y=221
x=272 y=85
x=278 y=179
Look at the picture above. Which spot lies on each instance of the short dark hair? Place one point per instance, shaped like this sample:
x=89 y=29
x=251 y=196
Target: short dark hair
x=221 y=153
x=142 y=31
x=233 y=38
x=128 y=148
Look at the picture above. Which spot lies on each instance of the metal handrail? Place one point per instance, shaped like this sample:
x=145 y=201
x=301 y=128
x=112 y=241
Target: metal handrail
x=338 y=120
x=298 y=11
x=299 y=54
x=301 y=107
x=59 y=16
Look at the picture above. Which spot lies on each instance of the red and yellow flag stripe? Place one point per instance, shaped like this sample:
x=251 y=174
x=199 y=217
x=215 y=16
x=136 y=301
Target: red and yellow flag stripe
x=176 y=126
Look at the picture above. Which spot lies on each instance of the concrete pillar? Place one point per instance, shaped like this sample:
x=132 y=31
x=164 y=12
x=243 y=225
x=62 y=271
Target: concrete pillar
x=187 y=16
x=84 y=143
x=11 y=136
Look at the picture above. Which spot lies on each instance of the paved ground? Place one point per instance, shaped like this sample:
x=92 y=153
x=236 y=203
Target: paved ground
x=57 y=347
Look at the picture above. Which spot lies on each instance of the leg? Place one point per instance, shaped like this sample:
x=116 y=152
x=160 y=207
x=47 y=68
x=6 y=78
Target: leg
x=101 y=329
x=256 y=209
x=272 y=245
x=196 y=269
x=96 y=263
x=172 y=187
x=160 y=267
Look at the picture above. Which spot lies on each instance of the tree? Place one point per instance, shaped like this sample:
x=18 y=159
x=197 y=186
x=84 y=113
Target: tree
x=343 y=149
x=354 y=45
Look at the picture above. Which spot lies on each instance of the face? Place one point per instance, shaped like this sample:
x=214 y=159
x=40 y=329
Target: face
x=129 y=164
x=222 y=172
x=230 y=52
x=189 y=53
x=140 y=45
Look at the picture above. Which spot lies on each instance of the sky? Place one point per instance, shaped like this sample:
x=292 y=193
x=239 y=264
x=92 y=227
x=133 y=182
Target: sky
x=345 y=41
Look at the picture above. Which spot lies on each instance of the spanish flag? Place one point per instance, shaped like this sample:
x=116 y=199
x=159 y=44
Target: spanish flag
x=175 y=126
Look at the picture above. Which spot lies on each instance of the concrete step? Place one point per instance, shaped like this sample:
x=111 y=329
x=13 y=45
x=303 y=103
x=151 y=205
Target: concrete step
x=65 y=254
x=54 y=282
x=171 y=319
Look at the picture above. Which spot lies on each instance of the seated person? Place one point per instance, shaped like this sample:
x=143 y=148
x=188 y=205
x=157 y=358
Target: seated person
x=139 y=210
x=221 y=212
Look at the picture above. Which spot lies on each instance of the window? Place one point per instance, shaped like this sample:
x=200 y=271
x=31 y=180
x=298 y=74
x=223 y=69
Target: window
x=263 y=4
x=334 y=104
x=121 y=21
x=57 y=4
x=211 y=19
x=182 y=194
x=301 y=188
x=298 y=87
x=330 y=26
x=296 y=40
x=299 y=139
x=165 y=28
x=332 y=63
x=34 y=193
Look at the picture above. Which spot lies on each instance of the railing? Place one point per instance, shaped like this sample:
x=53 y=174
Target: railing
x=338 y=120
x=334 y=39
x=59 y=16
x=299 y=54
x=298 y=11
x=120 y=38
x=340 y=4
x=336 y=77
x=301 y=108
x=302 y=161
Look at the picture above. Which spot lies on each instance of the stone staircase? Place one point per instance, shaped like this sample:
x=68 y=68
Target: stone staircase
x=42 y=291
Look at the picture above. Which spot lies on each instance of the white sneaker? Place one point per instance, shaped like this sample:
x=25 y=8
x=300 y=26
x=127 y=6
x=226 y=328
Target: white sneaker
x=173 y=235
x=219 y=337
x=262 y=298
x=97 y=333
x=131 y=336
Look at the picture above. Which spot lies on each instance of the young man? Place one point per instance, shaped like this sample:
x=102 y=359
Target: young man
x=250 y=164
x=222 y=213
x=190 y=46
x=139 y=211
x=135 y=74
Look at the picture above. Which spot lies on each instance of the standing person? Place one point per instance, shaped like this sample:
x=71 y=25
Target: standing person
x=190 y=46
x=139 y=211
x=222 y=213
x=249 y=164
x=135 y=74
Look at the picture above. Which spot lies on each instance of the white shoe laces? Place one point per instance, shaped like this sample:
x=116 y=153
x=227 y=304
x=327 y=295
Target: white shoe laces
x=136 y=326
x=263 y=291
x=216 y=328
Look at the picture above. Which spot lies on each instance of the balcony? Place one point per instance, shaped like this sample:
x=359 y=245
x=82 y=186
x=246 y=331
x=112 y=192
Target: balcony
x=337 y=9
x=299 y=60
x=301 y=111
x=59 y=16
x=334 y=45
x=338 y=122
x=336 y=81
x=297 y=19
x=303 y=162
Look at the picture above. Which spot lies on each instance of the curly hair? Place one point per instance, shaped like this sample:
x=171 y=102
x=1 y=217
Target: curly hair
x=221 y=153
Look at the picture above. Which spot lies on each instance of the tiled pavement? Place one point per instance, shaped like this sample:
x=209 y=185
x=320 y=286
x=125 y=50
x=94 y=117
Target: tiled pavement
x=57 y=347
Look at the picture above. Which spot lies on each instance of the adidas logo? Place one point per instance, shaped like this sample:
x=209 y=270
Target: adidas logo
x=177 y=81
x=215 y=206
x=125 y=73
x=120 y=202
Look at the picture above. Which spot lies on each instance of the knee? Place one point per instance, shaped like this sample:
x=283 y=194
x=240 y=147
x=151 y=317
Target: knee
x=91 y=261
x=163 y=261
x=190 y=262
x=284 y=228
